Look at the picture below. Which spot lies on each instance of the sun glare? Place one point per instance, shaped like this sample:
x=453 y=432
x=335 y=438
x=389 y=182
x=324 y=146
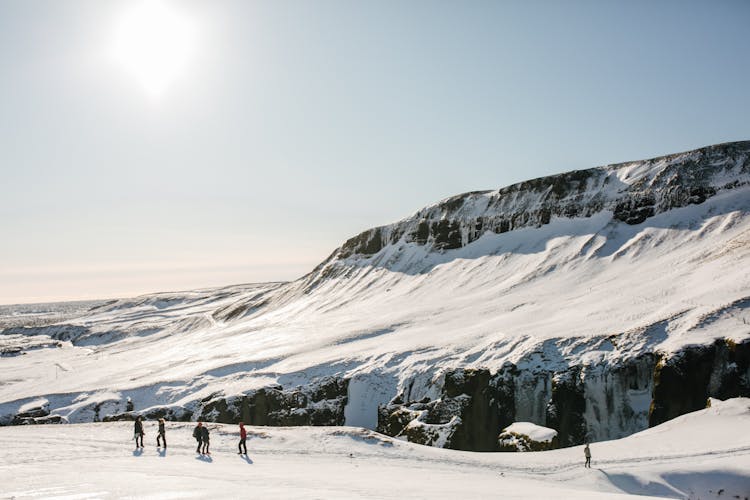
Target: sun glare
x=153 y=43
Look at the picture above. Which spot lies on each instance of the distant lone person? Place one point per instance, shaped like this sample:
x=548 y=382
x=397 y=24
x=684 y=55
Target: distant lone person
x=138 y=433
x=205 y=437
x=162 y=436
x=587 y=454
x=243 y=437
x=198 y=435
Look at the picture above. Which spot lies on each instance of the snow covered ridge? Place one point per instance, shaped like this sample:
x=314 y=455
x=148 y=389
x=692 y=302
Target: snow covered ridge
x=631 y=191
x=592 y=324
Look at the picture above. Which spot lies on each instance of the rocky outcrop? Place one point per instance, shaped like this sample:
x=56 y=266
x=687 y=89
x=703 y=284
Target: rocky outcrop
x=172 y=414
x=481 y=414
x=580 y=403
x=525 y=436
x=466 y=418
x=633 y=192
x=320 y=403
x=29 y=415
x=37 y=415
x=433 y=423
x=684 y=382
x=566 y=407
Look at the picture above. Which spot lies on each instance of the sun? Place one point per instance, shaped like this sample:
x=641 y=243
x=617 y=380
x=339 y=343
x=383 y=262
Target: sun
x=153 y=43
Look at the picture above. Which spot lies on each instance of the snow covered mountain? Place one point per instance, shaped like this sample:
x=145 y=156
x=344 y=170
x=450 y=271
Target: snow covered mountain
x=597 y=302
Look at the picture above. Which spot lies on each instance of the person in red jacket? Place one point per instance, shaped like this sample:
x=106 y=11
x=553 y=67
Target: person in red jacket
x=243 y=437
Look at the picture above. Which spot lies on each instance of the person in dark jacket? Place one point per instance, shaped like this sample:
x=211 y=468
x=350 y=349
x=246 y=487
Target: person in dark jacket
x=243 y=437
x=162 y=435
x=138 y=432
x=204 y=435
x=198 y=435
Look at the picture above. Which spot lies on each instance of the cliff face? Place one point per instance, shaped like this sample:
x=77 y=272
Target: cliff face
x=632 y=191
x=595 y=303
x=583 y=400
x=582 y=403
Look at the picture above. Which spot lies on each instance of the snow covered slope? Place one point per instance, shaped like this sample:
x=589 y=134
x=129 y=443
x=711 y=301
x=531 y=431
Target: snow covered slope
x=579 y=293
x=698 y=456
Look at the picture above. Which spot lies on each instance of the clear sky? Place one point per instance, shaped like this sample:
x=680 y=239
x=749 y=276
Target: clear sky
x=289 y=126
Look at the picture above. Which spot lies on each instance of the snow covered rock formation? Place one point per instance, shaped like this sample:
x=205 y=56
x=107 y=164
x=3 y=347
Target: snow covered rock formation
x=525 y=436
x=597 y=303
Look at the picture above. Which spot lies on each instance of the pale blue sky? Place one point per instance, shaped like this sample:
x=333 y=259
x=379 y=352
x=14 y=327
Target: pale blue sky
x=297 y=124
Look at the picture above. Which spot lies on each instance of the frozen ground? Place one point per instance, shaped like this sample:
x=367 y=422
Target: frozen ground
x=703 y=455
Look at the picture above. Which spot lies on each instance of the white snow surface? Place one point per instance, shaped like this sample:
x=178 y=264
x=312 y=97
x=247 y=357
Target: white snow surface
x=697 y=456
x=533 y=431
x=576 y=291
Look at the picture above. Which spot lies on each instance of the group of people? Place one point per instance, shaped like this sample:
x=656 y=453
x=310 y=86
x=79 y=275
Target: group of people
x=200 y=433
x=203 y=436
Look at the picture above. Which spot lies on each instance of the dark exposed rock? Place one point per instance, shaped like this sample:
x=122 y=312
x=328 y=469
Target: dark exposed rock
x=432 y=423
x=635 y=209
x=170 y=414
x=320 y=403
x=481 y=416
x=120 y=417
x=394 y=417
x=515 y=441
x=466 y=418
x=475 y=405
x=51 y=419
x=447 y=234
x=368 y=243
x=678 y=180
x=566 y=407
x=504 y=393
x=47 y=419
x=439 y=422
x=329 y=388
x=31 y=415
x=683 y=383
x=422 y=233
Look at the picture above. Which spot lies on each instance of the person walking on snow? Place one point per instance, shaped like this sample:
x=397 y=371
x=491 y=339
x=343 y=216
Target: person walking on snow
x=198 y=435
x=161 y=436
x=204 y=436
x=243 y=437
x=587 y=454
x=138 y=432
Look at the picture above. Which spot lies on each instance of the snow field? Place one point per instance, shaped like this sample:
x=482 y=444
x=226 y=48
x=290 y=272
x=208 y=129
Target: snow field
x=694 y=456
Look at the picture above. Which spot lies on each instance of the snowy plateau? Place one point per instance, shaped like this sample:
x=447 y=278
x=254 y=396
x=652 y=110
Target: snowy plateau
x=609 y=305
